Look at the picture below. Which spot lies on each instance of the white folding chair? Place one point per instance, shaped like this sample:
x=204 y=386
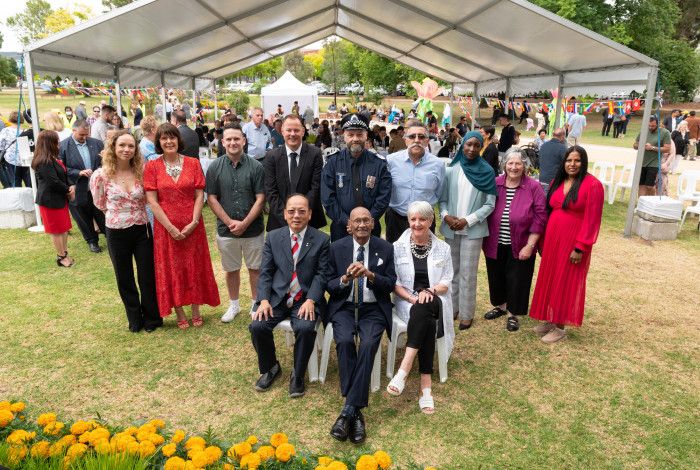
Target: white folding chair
x=605 y=172
x=286 y=326
x=400 y=327
x=694 y=209
x=623 y=183
x=204 y=152
x=325 y=353
x=687 y=186
x=435 y=146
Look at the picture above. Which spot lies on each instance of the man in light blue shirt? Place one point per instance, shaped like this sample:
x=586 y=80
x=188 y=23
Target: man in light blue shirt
x=416 y=175
x=258 y=135
x=575 y=125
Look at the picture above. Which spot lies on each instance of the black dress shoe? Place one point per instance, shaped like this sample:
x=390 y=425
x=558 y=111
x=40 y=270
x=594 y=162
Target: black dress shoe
x=465 y=325
x=494 y=313
x=95 y=248
x=357 y=432
x=296 y=386
x=340 y=428
x=266 y=380
x=135 y=329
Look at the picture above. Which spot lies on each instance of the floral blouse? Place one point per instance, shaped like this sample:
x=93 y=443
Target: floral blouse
x=122 y=209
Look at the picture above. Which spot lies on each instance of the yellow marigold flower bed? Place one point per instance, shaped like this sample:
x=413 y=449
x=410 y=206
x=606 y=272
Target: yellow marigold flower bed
x=48 y=441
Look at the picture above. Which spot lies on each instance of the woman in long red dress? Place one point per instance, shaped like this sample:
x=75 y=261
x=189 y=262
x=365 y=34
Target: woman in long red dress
x=175 y=191
x=53 y=193
x=575 y=200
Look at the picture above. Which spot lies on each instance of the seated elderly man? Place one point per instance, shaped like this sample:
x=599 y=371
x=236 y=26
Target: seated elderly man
x=360 y=282
x=291 y=284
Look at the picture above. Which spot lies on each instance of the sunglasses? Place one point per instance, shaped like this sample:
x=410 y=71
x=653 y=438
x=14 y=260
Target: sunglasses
x=416 y=136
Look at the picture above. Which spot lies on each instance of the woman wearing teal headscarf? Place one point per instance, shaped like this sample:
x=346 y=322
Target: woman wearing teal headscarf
x=468 y=197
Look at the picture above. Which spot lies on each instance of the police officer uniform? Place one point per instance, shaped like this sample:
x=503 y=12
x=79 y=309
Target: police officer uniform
x=350 y=182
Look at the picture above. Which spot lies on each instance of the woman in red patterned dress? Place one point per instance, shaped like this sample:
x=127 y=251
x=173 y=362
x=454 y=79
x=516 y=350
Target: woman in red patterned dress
x=175 y=191
x=575 y=199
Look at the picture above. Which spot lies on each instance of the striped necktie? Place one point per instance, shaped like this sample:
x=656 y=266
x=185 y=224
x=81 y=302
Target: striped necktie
x=361 y=280
x=294 y=286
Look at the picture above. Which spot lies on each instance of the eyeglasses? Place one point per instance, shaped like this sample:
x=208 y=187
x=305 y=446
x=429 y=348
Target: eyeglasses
x=416 y=136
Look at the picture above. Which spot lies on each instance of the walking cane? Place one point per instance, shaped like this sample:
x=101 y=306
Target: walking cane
x=356 y=301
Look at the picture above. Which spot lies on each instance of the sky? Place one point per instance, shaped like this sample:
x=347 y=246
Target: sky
x=12 y=7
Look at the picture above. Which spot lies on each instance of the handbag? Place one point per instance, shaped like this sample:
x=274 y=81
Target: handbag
x=4 y=151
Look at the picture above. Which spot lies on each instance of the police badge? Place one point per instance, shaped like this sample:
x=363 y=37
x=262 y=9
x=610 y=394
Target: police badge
x=371 y=181
x=339 y=179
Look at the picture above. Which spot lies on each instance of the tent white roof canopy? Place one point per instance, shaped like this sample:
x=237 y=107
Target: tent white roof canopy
x=173 y=42
x=492 y=46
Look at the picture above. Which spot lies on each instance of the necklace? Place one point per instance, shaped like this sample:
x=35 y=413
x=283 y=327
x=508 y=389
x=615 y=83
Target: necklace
x=417 y=249
x=173 y=169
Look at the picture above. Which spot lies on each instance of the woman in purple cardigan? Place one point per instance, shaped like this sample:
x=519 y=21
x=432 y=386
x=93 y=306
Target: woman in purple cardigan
x=515 y=227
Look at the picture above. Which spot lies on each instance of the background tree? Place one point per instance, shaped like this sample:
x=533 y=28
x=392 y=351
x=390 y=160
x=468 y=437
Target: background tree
x=295 y=63
x=112 y=4
x=316 y=61
x=30 y=24
x=58 y=20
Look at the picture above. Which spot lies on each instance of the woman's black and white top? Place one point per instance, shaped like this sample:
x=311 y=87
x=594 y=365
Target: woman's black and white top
x=504 y=229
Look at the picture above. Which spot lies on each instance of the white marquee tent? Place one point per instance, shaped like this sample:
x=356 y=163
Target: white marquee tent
x=285 y=91
x=191 y=43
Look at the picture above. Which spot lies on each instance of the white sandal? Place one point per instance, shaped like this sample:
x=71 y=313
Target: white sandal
x=397 y=384
x=426 y=402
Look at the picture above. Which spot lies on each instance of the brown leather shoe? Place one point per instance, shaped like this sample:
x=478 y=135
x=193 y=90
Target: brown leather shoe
x=553 y=336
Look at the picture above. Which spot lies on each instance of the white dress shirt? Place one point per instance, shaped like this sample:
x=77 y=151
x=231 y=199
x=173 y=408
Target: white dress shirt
x=367 y=294
x=289 y=159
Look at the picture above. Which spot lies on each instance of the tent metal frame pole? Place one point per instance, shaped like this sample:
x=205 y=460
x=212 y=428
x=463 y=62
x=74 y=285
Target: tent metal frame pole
x=634 y=191
x=34 y=106
x=118 y=91
x=216 y=102
x=162 y=96
x=507 y=109
x=452 y=101
x=558 y=102
x=475 y=100
x=194 y=102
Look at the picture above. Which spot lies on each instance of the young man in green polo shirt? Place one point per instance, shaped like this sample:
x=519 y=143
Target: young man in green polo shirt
x=650 y=164
x=236 y=193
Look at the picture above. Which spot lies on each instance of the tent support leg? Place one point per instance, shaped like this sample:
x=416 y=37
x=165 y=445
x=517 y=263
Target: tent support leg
x=558 y=102
x=34 y=106
x=634 y=191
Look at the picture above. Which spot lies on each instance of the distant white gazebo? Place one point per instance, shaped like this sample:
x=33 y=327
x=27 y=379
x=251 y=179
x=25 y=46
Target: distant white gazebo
x=285 y=91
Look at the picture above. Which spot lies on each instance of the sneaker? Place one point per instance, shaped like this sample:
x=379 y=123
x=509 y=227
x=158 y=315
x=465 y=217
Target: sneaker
x=543 y=328
x=231 y=313
x=553 y=336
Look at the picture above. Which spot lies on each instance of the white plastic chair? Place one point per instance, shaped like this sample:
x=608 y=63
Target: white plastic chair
x=328 y=151
x=400 y=327
x=325 y=353
x=687 y=186
x=623 y=183
x=605 y=172
x=204 y=152
x=694 y=209
x=286 y=326
x=435 y=146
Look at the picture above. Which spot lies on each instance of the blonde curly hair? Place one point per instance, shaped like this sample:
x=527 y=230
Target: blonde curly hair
x=109 y=157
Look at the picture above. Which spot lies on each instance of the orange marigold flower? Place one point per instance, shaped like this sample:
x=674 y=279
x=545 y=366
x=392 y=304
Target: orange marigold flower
x=284 y=452
x=252 y=440
x=40 y=449
x=195 y=442
x=6 y=417
x=179 y=436
x=278 y=438
x=17 y=407
x=174 y=463
x=79 y=427
x=383 y=459
x=250 y=461
x=45 y=419
x=366 y=462
x=266 y=452
x=169 y=449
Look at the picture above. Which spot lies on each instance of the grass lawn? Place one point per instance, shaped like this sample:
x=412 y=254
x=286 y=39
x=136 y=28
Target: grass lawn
x=9 y=100
x=620 y=392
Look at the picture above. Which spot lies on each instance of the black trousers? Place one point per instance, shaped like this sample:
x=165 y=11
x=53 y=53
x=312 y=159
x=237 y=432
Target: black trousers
x=339 y=231
x=421 y=331
x=19 y=175
x=84 y=215
x=607 y=123
x=617 y=128
x=264 y=342
x=135 y=243
x=356 y=364
x=396 y=225
x=510 y=280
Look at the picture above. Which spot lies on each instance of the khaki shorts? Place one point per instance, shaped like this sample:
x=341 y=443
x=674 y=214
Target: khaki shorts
x=573 y=140
x=234 y=249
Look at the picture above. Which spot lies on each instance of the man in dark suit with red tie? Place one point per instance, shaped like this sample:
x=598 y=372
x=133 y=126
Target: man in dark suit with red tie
x=294 y=167
x=291 y=284
x=361 y=280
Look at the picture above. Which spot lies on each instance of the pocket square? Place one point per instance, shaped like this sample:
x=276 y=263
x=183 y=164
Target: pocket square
x=379 y=261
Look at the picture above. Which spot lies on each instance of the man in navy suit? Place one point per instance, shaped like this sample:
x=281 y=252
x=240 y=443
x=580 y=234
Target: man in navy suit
x=81 y=156
x=362 y=277
x=291 y=284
